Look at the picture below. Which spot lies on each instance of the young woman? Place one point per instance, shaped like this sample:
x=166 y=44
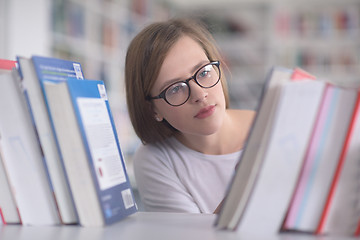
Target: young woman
x=178 y=104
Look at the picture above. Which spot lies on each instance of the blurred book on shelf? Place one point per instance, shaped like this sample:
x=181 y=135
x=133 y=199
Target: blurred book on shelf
x=9 y=213
x=61 y=161
x=91 y=152
x=34 y=71
x=22 y=156
x=299 y=158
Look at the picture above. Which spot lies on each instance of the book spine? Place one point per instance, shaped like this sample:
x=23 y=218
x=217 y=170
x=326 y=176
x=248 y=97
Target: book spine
x=357 y=231
x=301 y=195
x=2 y=217
x=339 y=167
x=7 y=64
x=300 y=74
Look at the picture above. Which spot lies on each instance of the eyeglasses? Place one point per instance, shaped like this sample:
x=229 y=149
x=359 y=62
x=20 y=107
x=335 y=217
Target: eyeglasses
x=178 y=93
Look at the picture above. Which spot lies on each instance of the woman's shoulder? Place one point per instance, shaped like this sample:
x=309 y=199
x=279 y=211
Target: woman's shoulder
x=154 y=151
x=147 y=155
x=148 y=149
x=158 y=157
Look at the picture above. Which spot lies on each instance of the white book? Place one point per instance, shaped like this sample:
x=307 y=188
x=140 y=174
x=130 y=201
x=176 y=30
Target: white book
x=253 y=155
x=276 y=180
x=31 y=73
x=23 y=157
x=259 y=195
x=8 y=207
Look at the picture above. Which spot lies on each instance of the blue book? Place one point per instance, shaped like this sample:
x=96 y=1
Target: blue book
x=91 y=152
x=54 y=69
x=34 y=71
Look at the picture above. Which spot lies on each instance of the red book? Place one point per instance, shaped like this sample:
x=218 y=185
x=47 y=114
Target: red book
x=301 y=74
x=327 y=220
x=321 y=160
x=7 y=64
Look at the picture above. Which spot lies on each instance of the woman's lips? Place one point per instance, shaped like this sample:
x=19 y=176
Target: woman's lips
x=205 y=112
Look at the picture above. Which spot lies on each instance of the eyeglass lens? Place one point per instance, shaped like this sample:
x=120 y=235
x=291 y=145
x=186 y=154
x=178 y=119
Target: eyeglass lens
x=206 y=77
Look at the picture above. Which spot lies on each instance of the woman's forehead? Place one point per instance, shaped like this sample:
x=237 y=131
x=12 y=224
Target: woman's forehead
x=182 y=60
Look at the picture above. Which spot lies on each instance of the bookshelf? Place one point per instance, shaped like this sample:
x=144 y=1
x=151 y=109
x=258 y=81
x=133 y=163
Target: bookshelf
x=241 y=35
x=252 y=34
x=144 y=225
x=96 y=33
x=320 y=36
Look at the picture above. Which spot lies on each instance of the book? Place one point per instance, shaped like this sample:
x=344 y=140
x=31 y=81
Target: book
x=22 y=156
x=34 y=71
x=276 y=176
x=321 y=159
x=253 y=155
x=340 y=212
x=255 y=149
x=7 y=65
x=91 y=152
x=9 y=213
x=316 y=127
x=300 y=74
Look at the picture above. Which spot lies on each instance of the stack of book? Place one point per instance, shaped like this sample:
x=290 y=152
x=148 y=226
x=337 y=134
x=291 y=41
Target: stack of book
x=61 y=162
x=300 y=167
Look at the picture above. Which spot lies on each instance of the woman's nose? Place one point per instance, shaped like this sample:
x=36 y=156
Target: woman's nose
x=197 y=93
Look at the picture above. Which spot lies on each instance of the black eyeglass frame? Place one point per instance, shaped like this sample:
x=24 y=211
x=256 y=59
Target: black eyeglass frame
x=163 y=92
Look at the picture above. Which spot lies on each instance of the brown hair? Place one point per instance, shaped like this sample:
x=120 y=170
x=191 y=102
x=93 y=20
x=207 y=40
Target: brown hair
x=144 y=58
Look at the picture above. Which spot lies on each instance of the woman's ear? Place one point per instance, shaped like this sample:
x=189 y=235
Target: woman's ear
x=156 y=115
x=157 y=118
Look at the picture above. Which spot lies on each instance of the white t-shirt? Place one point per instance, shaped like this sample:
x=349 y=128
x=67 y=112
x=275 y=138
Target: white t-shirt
x=174 y=178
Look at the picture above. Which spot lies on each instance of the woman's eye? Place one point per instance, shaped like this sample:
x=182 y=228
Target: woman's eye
x=203 y=74
x=176 y=88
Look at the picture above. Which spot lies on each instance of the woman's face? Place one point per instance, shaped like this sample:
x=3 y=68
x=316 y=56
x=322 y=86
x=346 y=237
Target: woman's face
x=204 y=111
